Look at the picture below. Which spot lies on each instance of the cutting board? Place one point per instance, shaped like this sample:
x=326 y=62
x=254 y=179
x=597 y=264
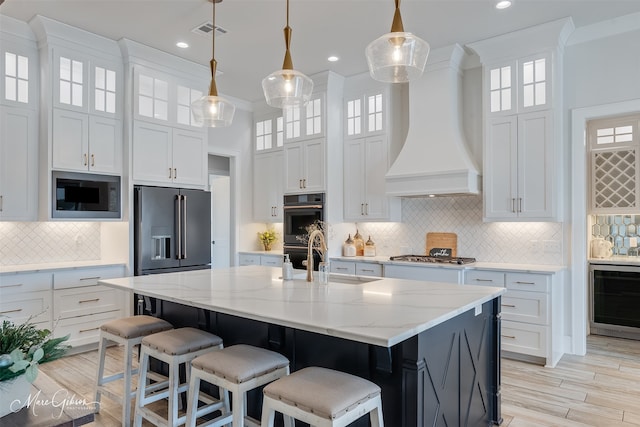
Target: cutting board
x=443 y=241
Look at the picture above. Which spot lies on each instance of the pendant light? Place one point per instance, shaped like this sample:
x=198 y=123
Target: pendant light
x=398 y=56
x=212 y=110
x=287 y=87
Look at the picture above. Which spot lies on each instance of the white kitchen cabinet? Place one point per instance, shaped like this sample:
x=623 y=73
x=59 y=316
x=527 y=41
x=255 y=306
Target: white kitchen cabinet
x=27 y=297
x=268 y=183
x=523 y=166
x=429 y=274
x=81 y=305
x=304 y=166
x=356 y=268
x=274 y=260
x=305 y=122
x=18 y=164
x=83 y=142
x=519 y=178
x=532 y=320
x=165 y=155
x=365 y=166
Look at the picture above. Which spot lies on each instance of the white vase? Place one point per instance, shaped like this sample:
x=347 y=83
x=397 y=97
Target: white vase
x=13 y=395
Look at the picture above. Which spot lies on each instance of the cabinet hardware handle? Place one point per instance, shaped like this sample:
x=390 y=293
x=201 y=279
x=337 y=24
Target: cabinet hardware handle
x=175 y=173
x=88 y=330
x=519 y=204
x=88 y=300
x=513 y=205
x=368 y=270
x=304 y=182
x=84 y=156
x=170 y=173
x=366 y=208
x=484 y=280
x=525 y=283
x=11 y=286
x=508 y=336
x=93 y=160
x=342 y=268
x=300 y=183
x=1 y=204
x=361 y=208
x=509 y=305
x=91 y=278
x=11 y=311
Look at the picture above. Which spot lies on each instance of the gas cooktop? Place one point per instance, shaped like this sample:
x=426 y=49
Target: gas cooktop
x=433 y=259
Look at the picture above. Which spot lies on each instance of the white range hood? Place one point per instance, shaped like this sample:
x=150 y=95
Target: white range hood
x=434 y=159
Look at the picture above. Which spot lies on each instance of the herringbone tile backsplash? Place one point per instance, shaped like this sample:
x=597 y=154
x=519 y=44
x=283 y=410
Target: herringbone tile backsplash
x=43 y=242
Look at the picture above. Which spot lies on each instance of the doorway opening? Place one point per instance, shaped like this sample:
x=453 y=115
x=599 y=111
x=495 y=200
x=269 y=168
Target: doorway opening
x=220 y=187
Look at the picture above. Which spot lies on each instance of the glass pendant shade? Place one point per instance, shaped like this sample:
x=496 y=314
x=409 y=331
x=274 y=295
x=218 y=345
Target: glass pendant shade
x=213 y=111
x=287 y=88
x=397 y=57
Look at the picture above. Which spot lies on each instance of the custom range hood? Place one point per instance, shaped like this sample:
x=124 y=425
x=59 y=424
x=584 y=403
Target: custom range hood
x=434 y=159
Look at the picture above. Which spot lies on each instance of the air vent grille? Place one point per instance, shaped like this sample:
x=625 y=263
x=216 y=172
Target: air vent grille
x=205 y=29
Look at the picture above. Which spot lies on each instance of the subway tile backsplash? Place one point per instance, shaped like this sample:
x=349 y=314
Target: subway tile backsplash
x=508 y=242
x=45 y=242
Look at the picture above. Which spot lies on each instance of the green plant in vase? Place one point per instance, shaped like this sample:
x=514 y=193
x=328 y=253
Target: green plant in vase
x=267 y=238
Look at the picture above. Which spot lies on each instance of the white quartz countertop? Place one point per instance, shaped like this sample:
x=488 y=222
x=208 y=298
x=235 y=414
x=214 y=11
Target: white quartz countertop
x=382 y=312
x=25 y=268
x=616 y=260
x=479 y=265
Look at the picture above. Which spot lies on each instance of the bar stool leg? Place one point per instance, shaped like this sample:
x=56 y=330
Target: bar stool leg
x=142 y=379
x=101 y=353
x=126 y=404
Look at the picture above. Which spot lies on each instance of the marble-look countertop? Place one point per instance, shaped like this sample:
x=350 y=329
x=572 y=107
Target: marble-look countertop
x=26 y=268
x=478 y=265
x=616 y=260
x=382 y=311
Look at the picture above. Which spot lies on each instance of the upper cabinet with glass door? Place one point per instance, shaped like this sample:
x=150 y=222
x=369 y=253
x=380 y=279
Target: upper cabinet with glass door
x=365 y=115
x=519 y=86
x=305 y=122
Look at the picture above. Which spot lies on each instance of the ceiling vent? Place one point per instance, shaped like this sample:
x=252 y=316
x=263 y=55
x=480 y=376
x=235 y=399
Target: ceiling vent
x=205 y=29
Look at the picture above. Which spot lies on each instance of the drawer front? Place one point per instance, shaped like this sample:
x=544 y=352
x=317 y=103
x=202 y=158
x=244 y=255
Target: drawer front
x=530 y=307
x=486 y=278
x=21 y=306
x=368 y=269
x=24 y=282
x=528 y=282
x=89 y=300
x=271 y=261
x=245 y=259
x=343 y=267
x=423 y=273
x=85 y=276
x=524 y=338
x=84 y=329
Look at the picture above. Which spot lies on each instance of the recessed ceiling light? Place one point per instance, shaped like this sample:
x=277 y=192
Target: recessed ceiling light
x=332 y=58
x=503 y=4
x=182 y=45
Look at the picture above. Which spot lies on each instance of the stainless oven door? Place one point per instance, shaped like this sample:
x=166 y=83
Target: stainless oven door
x=615 y=300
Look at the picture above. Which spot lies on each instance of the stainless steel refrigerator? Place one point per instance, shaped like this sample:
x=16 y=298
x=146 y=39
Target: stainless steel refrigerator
x=172 y=230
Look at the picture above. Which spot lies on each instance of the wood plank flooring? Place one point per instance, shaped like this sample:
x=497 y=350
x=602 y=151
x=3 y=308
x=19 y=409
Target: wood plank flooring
x=601 y=389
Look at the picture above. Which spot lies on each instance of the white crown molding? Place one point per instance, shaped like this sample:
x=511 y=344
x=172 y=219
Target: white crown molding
x=608 y=28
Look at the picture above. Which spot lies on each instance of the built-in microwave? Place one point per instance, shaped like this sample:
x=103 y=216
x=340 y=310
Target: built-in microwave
x=84 y=195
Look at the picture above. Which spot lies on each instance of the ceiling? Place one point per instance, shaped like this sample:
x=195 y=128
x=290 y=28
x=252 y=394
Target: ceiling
x=253 y=46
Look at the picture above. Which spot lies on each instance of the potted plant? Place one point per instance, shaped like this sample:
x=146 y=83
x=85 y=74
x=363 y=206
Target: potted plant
x=22 y=348
x=267 y=238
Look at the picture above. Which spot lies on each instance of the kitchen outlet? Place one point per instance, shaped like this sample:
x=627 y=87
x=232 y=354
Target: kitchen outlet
x=551 y=246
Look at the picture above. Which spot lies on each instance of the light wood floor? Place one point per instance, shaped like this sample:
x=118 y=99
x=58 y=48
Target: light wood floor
x=601 y=389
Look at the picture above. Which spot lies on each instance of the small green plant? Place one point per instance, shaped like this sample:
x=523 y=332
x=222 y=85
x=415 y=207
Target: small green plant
x=23 y=347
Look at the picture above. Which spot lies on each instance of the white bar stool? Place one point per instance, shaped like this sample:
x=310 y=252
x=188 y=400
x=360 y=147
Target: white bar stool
x=128 y=332
x=238 y=369
x=323 y=398
x=175 y=347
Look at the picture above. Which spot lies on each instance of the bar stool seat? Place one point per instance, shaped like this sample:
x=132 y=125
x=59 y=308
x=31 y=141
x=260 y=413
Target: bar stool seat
x=128 y=332
x=238 y=369
x=322 y=397
x=175 y=347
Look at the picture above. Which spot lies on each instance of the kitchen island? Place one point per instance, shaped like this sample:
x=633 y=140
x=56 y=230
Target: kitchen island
x=434 y=348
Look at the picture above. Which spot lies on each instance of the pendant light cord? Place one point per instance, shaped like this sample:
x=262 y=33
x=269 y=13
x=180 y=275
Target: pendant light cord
x=213 y=37
x=287 y=13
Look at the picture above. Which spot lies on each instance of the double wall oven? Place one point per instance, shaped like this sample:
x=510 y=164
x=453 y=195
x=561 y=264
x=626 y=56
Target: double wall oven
x=615 y=300
x=301 y=211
